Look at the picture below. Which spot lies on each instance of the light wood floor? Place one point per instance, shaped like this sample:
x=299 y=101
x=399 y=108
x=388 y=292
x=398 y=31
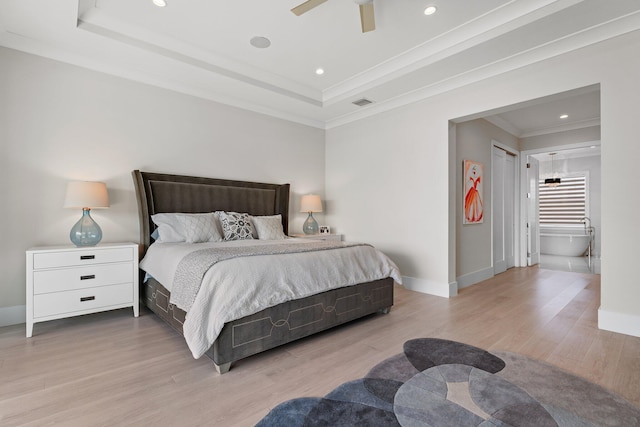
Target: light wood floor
x=113 y=369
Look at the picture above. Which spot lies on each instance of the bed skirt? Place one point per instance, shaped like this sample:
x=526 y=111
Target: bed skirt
x=282 y=323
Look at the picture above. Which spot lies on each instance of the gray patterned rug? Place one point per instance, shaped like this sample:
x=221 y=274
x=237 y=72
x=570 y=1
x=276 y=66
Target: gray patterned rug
x=440 y=383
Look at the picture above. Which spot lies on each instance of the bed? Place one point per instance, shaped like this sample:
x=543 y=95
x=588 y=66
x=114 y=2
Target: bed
x=274 y=325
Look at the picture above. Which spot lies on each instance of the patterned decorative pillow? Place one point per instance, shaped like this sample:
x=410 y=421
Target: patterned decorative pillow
x=268 y=227
x=236 y=226
x=200 y=228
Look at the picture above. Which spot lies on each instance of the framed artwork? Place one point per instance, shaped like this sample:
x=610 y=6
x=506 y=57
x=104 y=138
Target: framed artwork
x=473 y=198
x=324 y=229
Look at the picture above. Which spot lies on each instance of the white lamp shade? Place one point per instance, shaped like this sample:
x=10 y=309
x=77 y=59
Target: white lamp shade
x=311 y=203
x=85 y=194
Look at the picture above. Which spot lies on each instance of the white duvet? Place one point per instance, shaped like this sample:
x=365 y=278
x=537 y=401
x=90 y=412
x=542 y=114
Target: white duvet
x=238 y=287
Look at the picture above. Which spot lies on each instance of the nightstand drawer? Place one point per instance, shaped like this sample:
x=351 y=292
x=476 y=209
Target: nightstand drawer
x=67 y=279
x=81 y=257
x=82 y=299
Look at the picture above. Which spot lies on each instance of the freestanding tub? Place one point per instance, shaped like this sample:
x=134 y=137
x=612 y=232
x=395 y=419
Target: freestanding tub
x=564 y=241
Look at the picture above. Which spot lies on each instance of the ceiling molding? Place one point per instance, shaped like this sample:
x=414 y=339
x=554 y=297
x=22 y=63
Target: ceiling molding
x=564 y=128
x=496 y=23
x=243 y=74
x=503 y=124
x=561 y=46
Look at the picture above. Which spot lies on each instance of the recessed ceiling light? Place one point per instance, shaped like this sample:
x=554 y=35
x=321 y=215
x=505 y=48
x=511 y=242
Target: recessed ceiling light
x=160 y=3
x=564 y=116
x=319 y=71
x=430 y=10
x=260 y=42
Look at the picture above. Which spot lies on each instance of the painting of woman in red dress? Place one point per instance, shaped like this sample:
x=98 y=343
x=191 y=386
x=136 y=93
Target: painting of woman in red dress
x=473 y=205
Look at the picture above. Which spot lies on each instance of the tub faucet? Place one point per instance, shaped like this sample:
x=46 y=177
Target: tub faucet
x=590 y=232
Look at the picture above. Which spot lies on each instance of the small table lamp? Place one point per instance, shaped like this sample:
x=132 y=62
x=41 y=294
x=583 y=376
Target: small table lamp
x=86 y=195
x=310 y=203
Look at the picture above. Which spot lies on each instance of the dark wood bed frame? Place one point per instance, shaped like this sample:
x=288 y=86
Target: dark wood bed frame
x=269 y=328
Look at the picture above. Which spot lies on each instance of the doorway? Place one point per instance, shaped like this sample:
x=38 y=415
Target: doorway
x=523 y=128
x=567 y=223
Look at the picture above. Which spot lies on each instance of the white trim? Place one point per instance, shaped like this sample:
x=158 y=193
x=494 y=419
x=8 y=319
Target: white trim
x=445 y=290
x=469 y=279
x=628 y=324
x=13 y=315
x=560 y=147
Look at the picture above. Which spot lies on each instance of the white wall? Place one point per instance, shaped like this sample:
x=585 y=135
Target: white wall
x=389 y=176
x=60 y=122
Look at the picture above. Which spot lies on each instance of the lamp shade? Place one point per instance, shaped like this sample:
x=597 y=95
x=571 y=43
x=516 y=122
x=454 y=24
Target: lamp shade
x=311 y=203
x=86 y=194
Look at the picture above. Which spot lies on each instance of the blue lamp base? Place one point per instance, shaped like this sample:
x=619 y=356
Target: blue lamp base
x=310 y=226
x=85 y=232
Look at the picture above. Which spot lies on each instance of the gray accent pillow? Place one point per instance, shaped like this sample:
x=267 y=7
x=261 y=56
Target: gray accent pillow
x=236 y=226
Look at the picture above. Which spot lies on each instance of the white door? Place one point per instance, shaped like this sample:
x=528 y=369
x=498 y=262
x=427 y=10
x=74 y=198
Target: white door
x=533 y=212
x=509 y=210
x=498 y=161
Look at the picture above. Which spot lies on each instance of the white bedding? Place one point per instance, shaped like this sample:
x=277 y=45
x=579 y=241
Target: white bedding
x=238 y=287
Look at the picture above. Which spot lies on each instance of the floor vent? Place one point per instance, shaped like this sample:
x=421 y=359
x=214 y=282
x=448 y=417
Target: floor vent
x=362 y=102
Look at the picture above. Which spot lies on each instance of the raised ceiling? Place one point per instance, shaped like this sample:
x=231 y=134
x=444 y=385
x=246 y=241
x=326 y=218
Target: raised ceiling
x=201 y=47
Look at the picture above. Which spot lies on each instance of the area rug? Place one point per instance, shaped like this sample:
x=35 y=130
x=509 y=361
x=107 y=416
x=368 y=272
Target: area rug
x=438 y=383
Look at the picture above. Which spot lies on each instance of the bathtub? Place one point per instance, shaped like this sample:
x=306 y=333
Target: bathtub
x=564 y=241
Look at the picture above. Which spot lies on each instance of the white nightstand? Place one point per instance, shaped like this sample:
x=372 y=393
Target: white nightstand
x=318 y=236
x=66 y=281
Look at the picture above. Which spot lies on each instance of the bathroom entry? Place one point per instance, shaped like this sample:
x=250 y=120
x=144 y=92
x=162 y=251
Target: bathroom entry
x=567 y=194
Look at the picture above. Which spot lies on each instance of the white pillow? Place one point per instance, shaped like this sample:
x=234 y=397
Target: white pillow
x=170 y=228
x=191 y=228
x=200 y=227
x=236 y=226
x=268 y=227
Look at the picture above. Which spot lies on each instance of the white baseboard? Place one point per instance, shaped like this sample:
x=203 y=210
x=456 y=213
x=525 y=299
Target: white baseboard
x=430 y=287
x=12 y=315
x=475 y=277
x=622 y=323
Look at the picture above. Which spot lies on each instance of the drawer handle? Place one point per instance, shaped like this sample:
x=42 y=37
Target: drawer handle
x=87 y=257
x=83 y=299
x=88 y=277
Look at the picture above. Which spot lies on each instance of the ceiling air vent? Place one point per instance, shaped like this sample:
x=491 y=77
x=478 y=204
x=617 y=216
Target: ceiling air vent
x=362 y=102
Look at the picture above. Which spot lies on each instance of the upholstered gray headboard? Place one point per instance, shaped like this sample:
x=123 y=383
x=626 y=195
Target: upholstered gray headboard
x=159 y=193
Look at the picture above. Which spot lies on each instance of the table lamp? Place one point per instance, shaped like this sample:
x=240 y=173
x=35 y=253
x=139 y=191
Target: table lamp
x=86 y=195
x=310 y=203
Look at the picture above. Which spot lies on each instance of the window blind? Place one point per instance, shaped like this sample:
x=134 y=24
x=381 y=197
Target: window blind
x=565 y=204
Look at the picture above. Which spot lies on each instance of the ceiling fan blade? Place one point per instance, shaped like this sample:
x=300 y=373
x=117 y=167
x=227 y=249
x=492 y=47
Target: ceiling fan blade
x=367 y=18
x=306 y=6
